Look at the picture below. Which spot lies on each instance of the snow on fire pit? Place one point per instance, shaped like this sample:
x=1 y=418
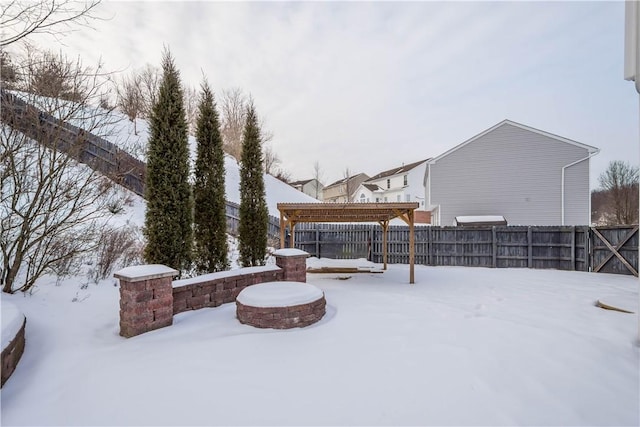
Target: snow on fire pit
x=280 y=305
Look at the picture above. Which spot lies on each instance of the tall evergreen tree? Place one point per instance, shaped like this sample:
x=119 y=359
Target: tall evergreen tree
x=169 y=202
x=210 y=220
x=254 y=216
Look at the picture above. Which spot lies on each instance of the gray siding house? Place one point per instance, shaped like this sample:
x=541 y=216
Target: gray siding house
x=529 y=176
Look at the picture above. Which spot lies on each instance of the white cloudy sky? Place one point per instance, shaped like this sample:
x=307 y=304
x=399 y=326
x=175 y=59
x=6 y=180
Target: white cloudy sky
x=372 y=85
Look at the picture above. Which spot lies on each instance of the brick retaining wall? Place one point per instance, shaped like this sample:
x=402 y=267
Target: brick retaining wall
x=212 y=290
x=149 y=298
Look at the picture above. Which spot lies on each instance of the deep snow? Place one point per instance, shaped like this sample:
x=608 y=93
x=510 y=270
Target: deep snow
x=463 y=346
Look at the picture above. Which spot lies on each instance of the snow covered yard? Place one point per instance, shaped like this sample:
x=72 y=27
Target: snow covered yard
x=463 y=346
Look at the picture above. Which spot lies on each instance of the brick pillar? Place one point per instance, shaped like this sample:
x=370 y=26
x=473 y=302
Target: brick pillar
x=294 y=264
x=146 y=298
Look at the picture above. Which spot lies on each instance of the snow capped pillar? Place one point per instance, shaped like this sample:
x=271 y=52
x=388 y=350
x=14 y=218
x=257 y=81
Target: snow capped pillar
x=146 y=298
x=294 y=264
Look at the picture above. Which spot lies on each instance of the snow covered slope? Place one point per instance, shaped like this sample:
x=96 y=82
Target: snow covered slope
x=121 y=132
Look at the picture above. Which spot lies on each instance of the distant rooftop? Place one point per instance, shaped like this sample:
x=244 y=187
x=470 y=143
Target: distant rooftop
x=397 y=170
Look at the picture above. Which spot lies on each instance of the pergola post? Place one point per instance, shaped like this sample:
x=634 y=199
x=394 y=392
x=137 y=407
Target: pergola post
x=283 y=226
x=292 y=229
x=385 y=227
x=412 y=247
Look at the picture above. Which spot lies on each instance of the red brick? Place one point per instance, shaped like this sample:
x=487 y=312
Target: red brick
x=179 y=306
x=163 y=292
x=157 y=303
x=196 y=302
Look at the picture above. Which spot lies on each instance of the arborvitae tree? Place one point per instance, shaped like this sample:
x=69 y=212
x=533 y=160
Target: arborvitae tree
x=254 y=216
x=168 y=193
x=210 y=220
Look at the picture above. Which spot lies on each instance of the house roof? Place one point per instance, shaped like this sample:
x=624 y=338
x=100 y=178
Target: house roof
x=589 y=148
x=397 y=170
x=343 y=180
x=302 y=182
x=371 y=187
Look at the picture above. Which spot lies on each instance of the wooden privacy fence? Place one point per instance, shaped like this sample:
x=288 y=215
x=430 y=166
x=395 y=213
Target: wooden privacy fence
x=578 y=248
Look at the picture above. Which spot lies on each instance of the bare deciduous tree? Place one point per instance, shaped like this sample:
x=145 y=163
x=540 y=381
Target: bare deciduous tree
x=8 y=71
x=52 y=207
x=233 y=105
x=318 y=176
x=271 y=159
x=21 y=19
x=191 y=100
x=349 y=185
x=620 y=181
x=130 y=100
x=54 y=75
x=150 y=77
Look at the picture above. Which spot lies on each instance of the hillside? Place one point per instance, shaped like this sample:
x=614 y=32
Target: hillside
x=121 y=133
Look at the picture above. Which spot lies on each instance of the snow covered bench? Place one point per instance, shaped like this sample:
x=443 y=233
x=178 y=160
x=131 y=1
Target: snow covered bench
x=280 y=305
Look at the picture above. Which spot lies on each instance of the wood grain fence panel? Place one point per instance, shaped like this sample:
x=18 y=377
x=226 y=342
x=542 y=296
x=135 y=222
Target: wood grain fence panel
x=615 y=235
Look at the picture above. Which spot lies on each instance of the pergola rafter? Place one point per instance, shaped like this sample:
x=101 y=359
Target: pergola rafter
x=294 y=213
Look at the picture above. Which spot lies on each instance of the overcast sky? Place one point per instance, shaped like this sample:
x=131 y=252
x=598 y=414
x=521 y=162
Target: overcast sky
x=373 y=85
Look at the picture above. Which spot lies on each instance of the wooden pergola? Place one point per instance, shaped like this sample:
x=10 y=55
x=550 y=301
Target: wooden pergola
x=294 y=213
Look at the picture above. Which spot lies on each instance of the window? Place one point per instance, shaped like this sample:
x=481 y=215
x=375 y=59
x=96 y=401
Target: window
x=362 y=198
x=398 y=198
x=388 y=183
x=406 y=181
x=385 y=198
x=407 y=197
x=377 y=199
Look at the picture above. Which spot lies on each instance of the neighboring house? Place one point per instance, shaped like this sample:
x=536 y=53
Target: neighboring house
x=343 y=191
x=401 y=184
x=368 y=193
x=529 y=176
x=310 y=187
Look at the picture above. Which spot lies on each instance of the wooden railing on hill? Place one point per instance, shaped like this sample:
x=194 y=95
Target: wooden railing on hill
x=93 y=150
x=86 y=147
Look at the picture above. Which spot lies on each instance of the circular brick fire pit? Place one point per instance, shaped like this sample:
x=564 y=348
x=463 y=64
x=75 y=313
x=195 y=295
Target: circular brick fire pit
x=280 y=305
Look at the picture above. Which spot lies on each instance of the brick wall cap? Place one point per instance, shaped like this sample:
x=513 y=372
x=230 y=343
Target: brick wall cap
x=279 y=294
x=138 y=273
x=224 y=274
x=291 y=252
x=12 y=321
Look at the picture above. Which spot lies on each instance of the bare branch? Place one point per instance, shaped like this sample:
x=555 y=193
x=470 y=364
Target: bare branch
x=22 y=18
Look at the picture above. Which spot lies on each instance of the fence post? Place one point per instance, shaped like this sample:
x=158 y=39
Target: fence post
x=494 y=243
x=318 y=240
x=529 y=248
x=573 y=248
x=589 y=250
